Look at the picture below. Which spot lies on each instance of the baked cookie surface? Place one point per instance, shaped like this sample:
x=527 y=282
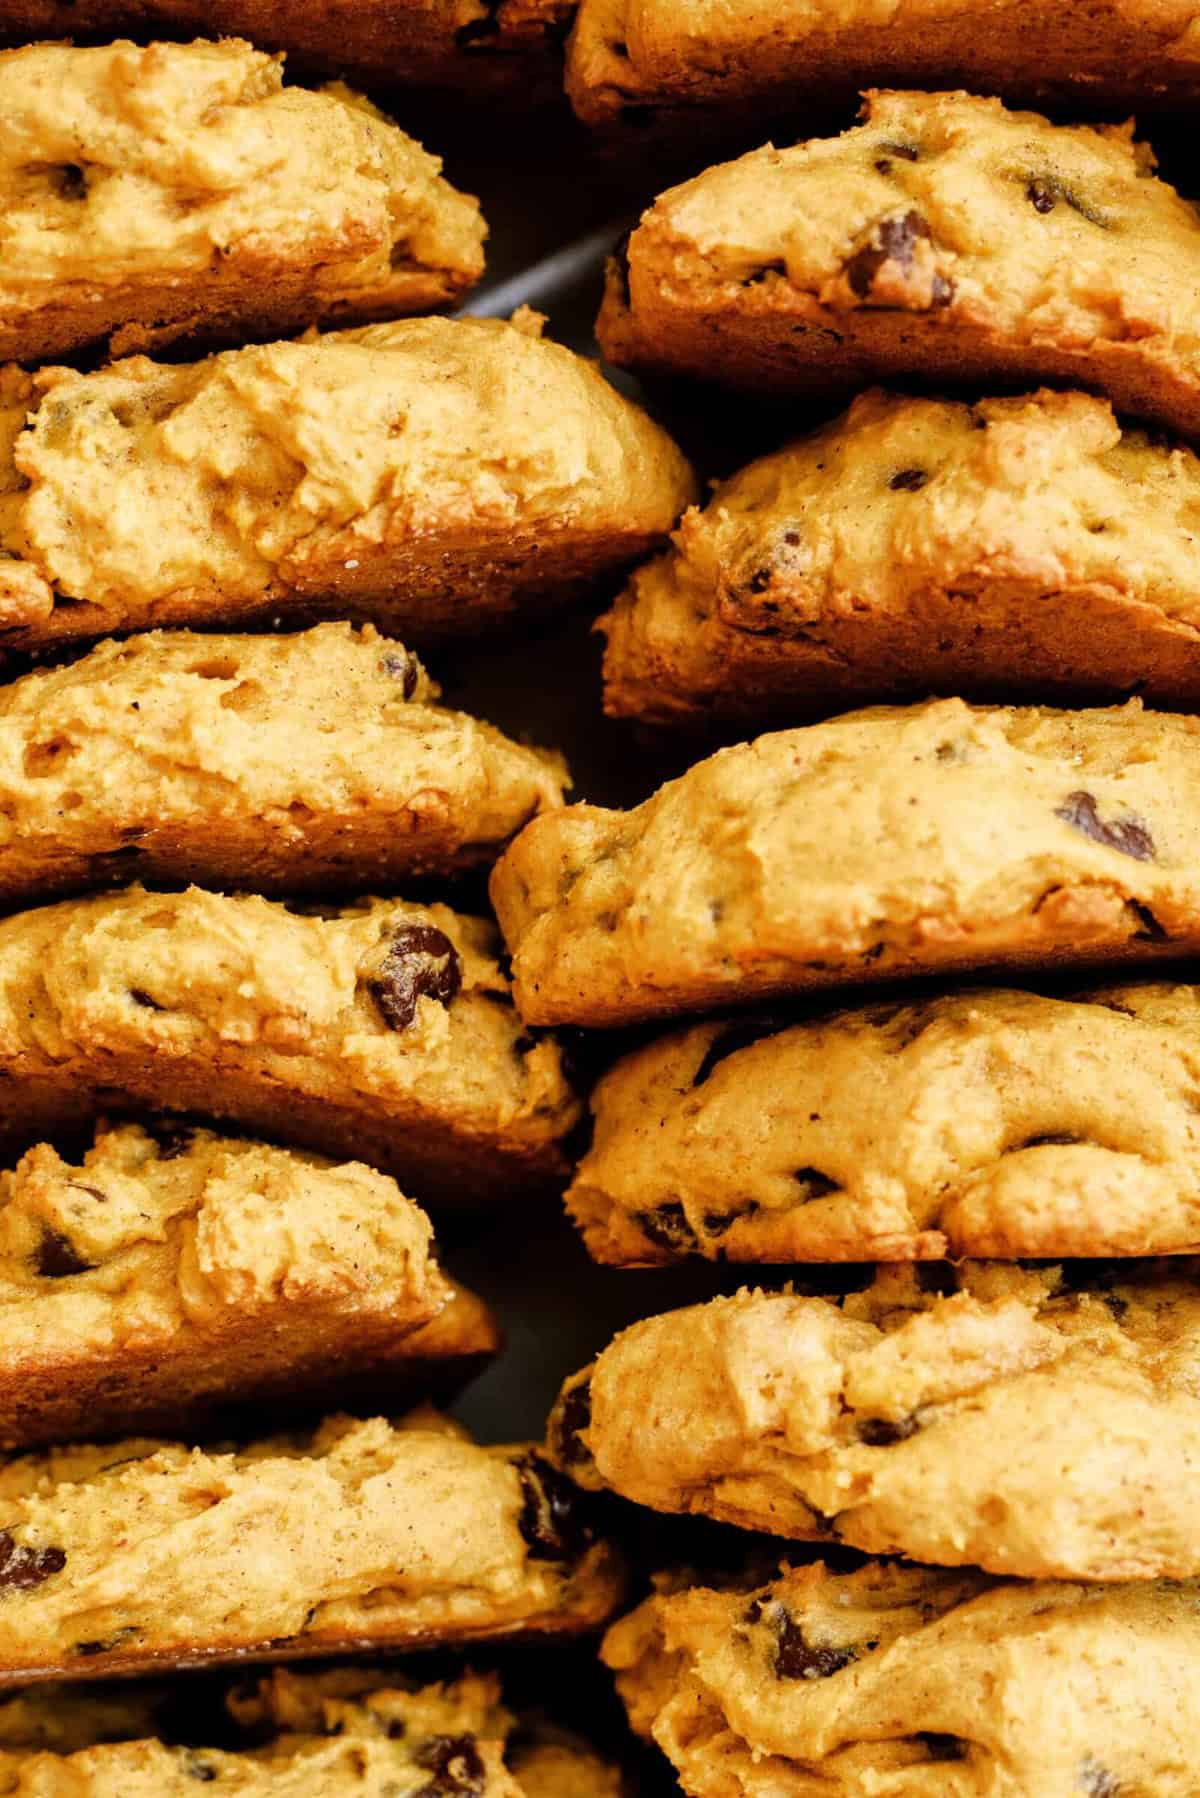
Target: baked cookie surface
x=179 y=191
x=988 y=1124
x=914 y=1682
x=705 y=56
x=378 y=1029
x=428 y=475
x=147 y=1554
x=1015 y=547
x=1029 y=1423
x=945 y=238
x=278 y=763
x=889 y=841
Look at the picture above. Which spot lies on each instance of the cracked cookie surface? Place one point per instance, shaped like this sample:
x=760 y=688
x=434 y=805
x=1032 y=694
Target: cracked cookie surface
x=1033 y=1422
x=146 y=1554
x=945 y=238
x=376 y=1029
x=1012 y=547
x=916 y=1683
x=990 y=1123
x=890 y=841
x=180 y=190
x=277 y=763
x=427 y=475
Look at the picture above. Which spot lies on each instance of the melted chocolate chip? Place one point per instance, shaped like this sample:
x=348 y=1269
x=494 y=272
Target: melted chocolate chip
x=880 y=1432
x=1128 y=836
x=896 y=240
x=457 y=1767
x=944 y=1748
x=1059 y=1139
x=550 y=1519
x=23 y=1568
x=813 y=1184
x=405 y=669
x=1152 y=931
x=57 y=1257
x=421 y=962
x=1041 y=195
x=71 y=182
x=141 y=997
x=736 y=1036
x=667 y=1227
x=1045 y=191
x=574 y=1416
x=797 y=1658
x=909 y=480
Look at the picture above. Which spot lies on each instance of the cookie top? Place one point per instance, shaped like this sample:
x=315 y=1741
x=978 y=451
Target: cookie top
x=330 y=470
x=986 y=1123
x=946 y=236
x=281 y=763
x=377 y=1029
x=844 y=1683
x=951 y=1426
x=180 y=181
x=889 y=841
x=1022 y=545
x=143 y=1553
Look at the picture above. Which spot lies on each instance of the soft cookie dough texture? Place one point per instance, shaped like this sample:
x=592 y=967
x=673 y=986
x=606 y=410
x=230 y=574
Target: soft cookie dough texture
x=377 y=1029
x=887 y=842
x=945 y=238
x=182 y=191
x=626 y=56
x=1016 y=545
x=345 y=1733
x=917 y=1684
x=988 y=1124
x=958 y=1430
x=430 y=475
x=278 y=763
x=366 y=1534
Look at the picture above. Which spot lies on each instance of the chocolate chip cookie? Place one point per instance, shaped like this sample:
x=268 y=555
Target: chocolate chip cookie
x=147 y=1554
x=429 y=475
x=280 y=763
x=181 y=191
x=887 y=842
x=945 y=238
x=986 y=1123
x=1036 y=1422
x=1012 y=547
x=377 y=1029
x=913 y=1682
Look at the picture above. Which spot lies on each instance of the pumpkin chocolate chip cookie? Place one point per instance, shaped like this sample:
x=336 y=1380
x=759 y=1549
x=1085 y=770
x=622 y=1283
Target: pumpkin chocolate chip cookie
x=1023 y=546
x=891 y=841
x=364 y=1535
x=982 y=1124
x=430 y=475
x=913 y=1682
x=378 y=1029
x=178 y=191
x=1033 y=1422
x=706 y=59
x=280 y=763
x=945 y=238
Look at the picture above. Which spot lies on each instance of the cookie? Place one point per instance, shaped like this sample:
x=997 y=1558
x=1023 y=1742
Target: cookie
x=147 y=1554
x=946 y=238
x=504 y=48
x=1030 y=1422
x=566 y=1769
x=376 y=1030
x=914 y=1682
x=279 y=763
x=1014 y=547
x=887 y=842
x=181 y=191
x=986 y=1123
x=701 y=61
x=429 y=475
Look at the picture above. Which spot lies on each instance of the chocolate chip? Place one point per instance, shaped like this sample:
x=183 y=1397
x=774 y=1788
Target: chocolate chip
x=1052 y=1139
x=1045 y=191
x=457 y=1767
x=550 y=1520
x=23 y=1568
x=1128 y=836
x=909 y=480
x=405 y=669
x=421 y=962
x=620 y=258
x=57 y=1257
x=896 y=240
x=171 y=1136
x=1096 y=1781
x=813 y=1184
x=906 y=152
x=1152 y=931
x=1116 y=1304
x=71 y=182
x=944 y=1748
x=737 y=1036
x=143 y=998
x=1041 y=195
x=880 y=1432
x=795 y=1657
x=667 y=1226
x=574 y=1417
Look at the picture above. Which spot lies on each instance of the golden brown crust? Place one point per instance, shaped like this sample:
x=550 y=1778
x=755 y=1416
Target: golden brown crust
x=1008 y=251
x=1015 y=546
x=887 y=842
